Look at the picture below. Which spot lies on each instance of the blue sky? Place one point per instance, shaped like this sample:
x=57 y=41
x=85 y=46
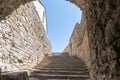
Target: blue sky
x=61 y=19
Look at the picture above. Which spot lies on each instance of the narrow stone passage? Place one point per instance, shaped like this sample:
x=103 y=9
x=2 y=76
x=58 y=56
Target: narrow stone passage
x=61 y=67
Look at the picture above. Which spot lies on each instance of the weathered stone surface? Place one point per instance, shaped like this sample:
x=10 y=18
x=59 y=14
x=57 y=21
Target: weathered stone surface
x=78 y=44
x=8 y=6
x=23 y=38
x=33 y=79
x=15 y=76
x=103 y=27
x=79 y=3
x=103 y=19
x=61 y=67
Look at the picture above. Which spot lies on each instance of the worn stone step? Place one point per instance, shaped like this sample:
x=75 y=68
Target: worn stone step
x=67 y=79
x=60 y=72
x=32 y=78
x=64 y=69
x=57 y=66
x=58 y=76
x=62 y=79
x=61 y=67
x=69 y=68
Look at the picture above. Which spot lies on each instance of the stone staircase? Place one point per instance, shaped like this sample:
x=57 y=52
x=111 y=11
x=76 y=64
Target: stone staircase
x=61 y=67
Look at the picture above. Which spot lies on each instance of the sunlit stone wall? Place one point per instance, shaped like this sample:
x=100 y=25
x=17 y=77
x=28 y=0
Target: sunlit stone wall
x=23 y=36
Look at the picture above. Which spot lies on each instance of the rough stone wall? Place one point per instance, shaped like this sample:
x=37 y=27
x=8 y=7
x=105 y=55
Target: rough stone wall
x=23 y=39
x=103 y=18
x=103 y=26
x=78 y=44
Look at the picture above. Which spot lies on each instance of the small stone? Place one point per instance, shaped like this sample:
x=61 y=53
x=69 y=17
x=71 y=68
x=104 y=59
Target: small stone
x=33 y=79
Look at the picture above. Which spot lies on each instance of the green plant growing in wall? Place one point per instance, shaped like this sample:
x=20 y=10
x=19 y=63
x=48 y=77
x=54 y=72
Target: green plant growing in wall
x=4 y=58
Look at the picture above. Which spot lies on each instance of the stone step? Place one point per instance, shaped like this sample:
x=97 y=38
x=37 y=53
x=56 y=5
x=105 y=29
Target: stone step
x=74 y=69
x=61 y=72
x=67 y=67
x=57 y=66
x=59 y=76
x=32 y=78
x=61 y=67
x=67 y=79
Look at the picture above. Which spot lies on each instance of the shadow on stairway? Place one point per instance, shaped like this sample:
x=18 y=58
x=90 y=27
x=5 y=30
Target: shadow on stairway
x=61 y=67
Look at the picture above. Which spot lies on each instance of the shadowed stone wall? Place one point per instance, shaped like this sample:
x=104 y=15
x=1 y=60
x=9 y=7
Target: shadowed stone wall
x=23 y=38
x=103 y=29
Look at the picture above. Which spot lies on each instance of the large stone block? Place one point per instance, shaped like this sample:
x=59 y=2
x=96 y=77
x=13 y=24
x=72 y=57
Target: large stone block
x=15 y=76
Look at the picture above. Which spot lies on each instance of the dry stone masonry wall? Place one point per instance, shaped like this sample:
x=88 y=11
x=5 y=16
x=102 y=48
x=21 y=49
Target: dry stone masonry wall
x=103 y=31
x=23 y=37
